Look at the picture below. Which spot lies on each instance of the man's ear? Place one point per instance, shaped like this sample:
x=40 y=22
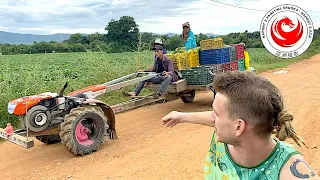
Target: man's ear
x=240 y=126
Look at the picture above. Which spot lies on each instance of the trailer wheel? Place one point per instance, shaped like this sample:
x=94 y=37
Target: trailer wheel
x=188 y=97
x=83 y=130
x=49 y=139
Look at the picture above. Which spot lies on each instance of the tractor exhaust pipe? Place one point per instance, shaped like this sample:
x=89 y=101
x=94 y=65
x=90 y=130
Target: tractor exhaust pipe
x=62 y=89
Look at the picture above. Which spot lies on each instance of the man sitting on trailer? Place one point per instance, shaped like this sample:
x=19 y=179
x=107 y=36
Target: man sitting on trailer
x=164 y=67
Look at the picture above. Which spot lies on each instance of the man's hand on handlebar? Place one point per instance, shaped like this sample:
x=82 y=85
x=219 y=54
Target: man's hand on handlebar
x=165 y=74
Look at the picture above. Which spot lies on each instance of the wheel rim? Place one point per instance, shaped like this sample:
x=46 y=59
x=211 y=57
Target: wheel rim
x=86 y=132
x=40 y=119
x=191 y=97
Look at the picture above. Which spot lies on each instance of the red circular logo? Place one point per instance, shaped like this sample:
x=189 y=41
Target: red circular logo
x=283 y=38
x=286 y=31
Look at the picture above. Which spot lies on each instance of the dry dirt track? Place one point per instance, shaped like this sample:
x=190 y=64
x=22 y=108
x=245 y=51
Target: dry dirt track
x=146 y=150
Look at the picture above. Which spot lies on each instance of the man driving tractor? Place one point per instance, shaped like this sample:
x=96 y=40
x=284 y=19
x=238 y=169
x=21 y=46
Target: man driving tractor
x=164 y=67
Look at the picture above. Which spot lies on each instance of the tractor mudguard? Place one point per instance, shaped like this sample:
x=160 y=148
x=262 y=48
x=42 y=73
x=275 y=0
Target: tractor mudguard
x=111 y=131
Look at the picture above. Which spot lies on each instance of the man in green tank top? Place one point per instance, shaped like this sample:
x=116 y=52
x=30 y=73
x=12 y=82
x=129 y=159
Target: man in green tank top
x=246 y=111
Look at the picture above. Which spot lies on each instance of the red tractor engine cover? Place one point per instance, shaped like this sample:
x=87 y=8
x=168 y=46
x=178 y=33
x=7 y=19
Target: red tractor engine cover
x=20 y=106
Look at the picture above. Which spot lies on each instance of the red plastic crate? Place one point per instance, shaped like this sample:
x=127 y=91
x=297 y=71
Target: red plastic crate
x=226 y=66
x=234 y=65
x=239 y=50
x=240 y=54
x=238 y=46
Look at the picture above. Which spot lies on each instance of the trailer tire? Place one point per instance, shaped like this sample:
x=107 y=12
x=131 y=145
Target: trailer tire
x=188 y=97
x=49 y=139
x=83 y=130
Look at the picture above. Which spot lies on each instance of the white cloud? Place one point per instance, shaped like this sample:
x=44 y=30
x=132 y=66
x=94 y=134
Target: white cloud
x=162 y=16
x=206 y=16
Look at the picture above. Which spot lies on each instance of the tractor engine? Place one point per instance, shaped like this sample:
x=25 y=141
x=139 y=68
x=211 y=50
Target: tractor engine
x=38 y=112
x=77 y=121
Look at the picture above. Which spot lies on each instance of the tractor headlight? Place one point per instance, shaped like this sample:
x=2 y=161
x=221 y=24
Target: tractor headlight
x=11 y=107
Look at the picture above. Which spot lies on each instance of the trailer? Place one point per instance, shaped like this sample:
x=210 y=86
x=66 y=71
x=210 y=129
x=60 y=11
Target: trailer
x=175 y=90
x=181 y=89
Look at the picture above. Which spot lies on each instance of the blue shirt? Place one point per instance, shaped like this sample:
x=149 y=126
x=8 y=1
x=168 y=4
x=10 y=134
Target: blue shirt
x=160 y=66
x=190 y=43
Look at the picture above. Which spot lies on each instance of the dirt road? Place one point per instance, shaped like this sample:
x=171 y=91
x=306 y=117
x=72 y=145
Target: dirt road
x=146 y=150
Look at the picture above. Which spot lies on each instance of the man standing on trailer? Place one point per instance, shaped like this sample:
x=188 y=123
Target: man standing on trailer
x=164 y=67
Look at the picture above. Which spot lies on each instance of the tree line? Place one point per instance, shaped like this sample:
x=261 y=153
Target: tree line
x=123 y=35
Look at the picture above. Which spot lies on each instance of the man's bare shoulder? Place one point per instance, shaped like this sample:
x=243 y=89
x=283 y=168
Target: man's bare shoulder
x=297 y=168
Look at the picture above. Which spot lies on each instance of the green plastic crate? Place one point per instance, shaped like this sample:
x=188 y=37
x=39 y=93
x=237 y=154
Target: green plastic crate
x=198 y=75
x=241 y=66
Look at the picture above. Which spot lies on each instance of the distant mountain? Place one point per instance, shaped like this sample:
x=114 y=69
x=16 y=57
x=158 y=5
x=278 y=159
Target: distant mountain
x=212 y=35
x=171 y=34
x=17 y=38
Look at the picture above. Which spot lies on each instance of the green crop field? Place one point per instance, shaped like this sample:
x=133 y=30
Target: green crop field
x=34 y=74
x=48 y=73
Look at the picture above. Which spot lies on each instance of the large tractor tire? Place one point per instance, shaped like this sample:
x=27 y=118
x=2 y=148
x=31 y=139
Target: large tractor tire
x=83 y=130
x=49 y=139
x=188 y=97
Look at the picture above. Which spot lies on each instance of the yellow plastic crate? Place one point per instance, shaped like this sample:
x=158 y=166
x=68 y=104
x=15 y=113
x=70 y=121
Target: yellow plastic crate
x=213 y=43
x=171 y=56
x=182 y=60
x=193 y=58
x=174 y=60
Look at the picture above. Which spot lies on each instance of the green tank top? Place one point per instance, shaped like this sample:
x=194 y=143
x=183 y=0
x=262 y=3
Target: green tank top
x=219 y=164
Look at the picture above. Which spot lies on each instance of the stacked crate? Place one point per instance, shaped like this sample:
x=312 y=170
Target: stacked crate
x=233 y=53
x=214 y=43
x=239 y=50
x=193 y=57
x=213 y=53
x=214 y=56
x=173 y=58
x=185 y=60
x=234 y=66
x=182 y=61
x=239 y=56
x=217 y=68
x=198 y=75
x=241 y=66
x=195 y=65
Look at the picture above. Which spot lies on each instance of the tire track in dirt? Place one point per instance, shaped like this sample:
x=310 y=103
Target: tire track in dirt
x=147 y=150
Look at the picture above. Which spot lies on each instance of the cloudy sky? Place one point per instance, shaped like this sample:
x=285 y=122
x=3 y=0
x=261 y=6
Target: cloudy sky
x=161 y=16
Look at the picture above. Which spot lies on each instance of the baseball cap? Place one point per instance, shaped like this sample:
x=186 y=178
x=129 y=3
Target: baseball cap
x=157 y=47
